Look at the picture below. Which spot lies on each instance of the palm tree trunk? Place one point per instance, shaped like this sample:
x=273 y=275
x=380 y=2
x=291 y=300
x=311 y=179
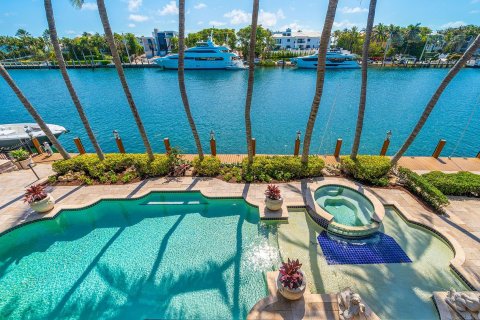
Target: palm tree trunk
x=181 y=76
x=66 y=78
x=322 y=58
x=121 y=74
x=363 y=89
x=433 y=101
x=251 y=75
x=33 y=112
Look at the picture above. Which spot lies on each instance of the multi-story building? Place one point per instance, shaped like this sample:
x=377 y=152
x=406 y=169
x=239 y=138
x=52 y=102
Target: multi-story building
x=296 y=40
x=159 y=44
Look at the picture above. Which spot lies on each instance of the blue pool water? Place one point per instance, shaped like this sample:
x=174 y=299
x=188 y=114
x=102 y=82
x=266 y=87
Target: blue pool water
x=281 y=103
x=165 y=256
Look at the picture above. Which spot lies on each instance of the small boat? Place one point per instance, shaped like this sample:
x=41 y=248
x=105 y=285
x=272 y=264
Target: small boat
x=473 y=63
x=335 y=60
x=205 y=55
x=20 y=133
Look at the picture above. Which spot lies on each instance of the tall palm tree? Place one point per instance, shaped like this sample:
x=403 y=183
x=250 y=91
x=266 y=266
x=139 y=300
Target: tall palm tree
x=412 y=35
x=121 y=74
x=433 y=101
x=181 y=76
x=322 y=58
x=363 y=89
x=33 y=112
x=251 y=74
x=63 y=69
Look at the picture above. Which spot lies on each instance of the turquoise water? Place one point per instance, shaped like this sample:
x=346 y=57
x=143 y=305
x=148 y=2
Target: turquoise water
x=281 y=103
x=167 y=255
x=347 y=206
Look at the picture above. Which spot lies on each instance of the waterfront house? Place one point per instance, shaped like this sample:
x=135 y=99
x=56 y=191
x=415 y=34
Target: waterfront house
x=296 y=40
x=159 y=44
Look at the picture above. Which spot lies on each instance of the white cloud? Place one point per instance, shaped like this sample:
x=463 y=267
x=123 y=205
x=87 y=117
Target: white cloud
x=89 y=6
x=238 y=16
x=70 y=32
x=137 y=18
x=270 y=19
x=134 y=5
x=474 y=11
x=216 y=23
x=200 y=23
x=453 y=24
x=349 y=10
x=200 y=6
x=295 y=26
x=169 y=9
x=344 y=24
x=132 y=25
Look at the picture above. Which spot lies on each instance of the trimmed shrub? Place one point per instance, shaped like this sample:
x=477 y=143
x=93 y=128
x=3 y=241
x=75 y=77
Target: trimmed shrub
x=421 y=187
x=455 y=184
x=209 y=167
x=281 y=168
x=370 y=169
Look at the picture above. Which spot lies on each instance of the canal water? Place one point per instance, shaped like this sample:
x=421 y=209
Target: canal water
x=281 y=104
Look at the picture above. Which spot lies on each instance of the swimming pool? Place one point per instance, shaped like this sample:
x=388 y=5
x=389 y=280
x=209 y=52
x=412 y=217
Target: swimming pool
x=166 y=255
x=392 y=290
x=347 y=206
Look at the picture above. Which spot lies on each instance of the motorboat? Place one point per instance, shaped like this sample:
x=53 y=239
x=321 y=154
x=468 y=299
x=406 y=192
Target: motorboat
x=336 y=59
x=12 y=135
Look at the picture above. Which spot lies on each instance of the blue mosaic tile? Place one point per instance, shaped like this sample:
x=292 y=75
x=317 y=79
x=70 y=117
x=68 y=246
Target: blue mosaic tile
x=378 y=248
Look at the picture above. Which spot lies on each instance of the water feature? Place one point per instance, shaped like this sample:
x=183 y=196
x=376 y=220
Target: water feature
x=166 y=255
x=282 y=100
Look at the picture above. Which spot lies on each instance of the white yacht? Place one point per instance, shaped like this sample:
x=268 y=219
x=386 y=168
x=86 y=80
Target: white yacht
x=473 y=63
x=336 y=59
x=205 y=55
x=14 y=134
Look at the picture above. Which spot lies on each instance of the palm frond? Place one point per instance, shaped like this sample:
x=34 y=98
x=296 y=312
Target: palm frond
x=77 y=3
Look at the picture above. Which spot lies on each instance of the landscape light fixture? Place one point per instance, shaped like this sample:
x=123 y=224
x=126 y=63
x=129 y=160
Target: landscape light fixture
x=212 y=135
x=298 y=134
x=389 y=135
x=116 y=135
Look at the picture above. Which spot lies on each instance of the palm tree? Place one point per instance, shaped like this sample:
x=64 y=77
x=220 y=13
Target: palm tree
x=251 y=74
x=33 y=112
x=363 y=89
x=322 y=58
x=380 y=33
x=412 y=35
x=433 y=101
x=63 y=69
x=121 y=74
x=181 y=76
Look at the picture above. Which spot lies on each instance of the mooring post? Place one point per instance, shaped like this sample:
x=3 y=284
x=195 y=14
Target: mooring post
x=213 y=144
x=439 y=148
x=166 y=142
x=79 y=145
x=119 y=142
x=37 y=145
x=338 y=146
x=478 y=155
x=296 y=150
x=254 y=146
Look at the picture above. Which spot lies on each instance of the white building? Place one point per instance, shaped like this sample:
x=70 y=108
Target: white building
x=296 y=40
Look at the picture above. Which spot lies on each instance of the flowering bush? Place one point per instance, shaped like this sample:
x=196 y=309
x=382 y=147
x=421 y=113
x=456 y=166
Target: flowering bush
x=35 y=193
x=290 y=276
x=273 y=192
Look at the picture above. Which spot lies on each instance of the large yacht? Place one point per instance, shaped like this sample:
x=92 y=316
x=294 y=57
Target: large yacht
x=336 y=59
x=205 y=55
x=14 y=134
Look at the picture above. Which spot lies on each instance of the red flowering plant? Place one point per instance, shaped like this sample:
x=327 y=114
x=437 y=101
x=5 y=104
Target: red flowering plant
x=35 y=193
x=273 y=192
x=290 y=277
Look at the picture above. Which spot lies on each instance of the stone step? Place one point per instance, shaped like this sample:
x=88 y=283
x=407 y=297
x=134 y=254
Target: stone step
x=7 y=166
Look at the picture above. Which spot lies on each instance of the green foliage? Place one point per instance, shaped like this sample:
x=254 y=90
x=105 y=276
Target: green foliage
x=267 y=63
x=455 y=184
x=231 y=172
x=128 y=177
x=423 y=188
x=52 y=179
x=209 y=166
x=220 y=36
x=20 y=154
x=370 y=169
x=281 y=168
x=263 y=44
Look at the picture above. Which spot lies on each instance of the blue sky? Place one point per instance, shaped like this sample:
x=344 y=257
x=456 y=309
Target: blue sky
x=141 y=16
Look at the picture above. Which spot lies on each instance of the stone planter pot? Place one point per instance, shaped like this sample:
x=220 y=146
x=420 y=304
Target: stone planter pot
x=273 y=205
x=23 y=164
x=43 y=205
x=292 y=294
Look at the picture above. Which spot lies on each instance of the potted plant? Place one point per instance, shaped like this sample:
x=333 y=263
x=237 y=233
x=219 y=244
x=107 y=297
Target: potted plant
x=291 y=282
x=273 y=199
x=38 y=199
x=22 y=158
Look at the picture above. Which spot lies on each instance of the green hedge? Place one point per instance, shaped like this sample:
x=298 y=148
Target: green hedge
x=423 y=188
x=370 y=169
x=209 y=167
x=281 y=168
x=114 y=163
x=455 y=184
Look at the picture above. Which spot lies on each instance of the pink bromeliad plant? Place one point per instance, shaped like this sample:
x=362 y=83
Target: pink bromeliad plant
x=35 y=193
x=273 y=192
x=290 y=275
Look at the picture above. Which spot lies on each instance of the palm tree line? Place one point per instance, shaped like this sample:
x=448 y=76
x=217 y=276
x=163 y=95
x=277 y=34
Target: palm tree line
x=320 y=79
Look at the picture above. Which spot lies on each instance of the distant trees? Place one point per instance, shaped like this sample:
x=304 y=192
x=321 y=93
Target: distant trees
x=220 y=36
